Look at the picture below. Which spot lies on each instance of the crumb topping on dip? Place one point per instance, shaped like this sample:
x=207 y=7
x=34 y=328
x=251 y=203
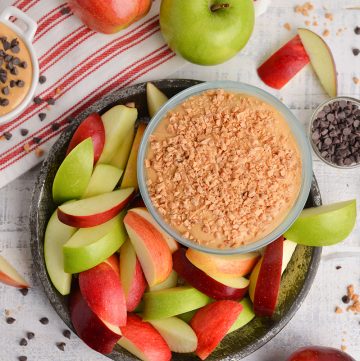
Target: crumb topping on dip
x=15 y=70
x=223 y=169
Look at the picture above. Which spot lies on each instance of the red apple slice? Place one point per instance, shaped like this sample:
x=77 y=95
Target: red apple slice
x=10 y=276
x=92 y=127
x=132 y=276
x=319 y=353
x=283 y=65
x=96 y=333
x=151 y=249
x=211 y=324
x=142 y=340
x=101 y=288
x=206 y=284
x=93 y=211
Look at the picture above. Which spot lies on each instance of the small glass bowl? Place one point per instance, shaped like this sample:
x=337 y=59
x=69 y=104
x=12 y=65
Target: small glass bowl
x=314 y=116
x=297 y=130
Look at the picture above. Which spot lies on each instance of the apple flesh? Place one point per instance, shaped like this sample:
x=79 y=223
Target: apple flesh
x=74 y=173
x=56 y=235
x=321 y=60
x=109 y=17
x=10 y=276
x=121 y=156
x=221 y=29
x=89 y=247
x=288 y=251
x=92 y=127
x=211 y=324
x=284 y=64
x=324 y=225
x=214 y=288
x=179 y=336
x=155 y=98
x=246 y=315
x=172 y=302
x=93 y=211
x=170 y=282
x=319 y=353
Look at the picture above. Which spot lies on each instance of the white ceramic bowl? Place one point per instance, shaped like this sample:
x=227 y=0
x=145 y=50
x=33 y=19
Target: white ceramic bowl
x=27 y=36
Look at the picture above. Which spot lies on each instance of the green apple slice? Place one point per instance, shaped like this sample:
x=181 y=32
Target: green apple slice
x=118 y=122
x=155 y=98
x=89 y=247
x=325 y=225
x=172 y=302
x=56 y=235
x=246 y=315
x=103 y=180
x=74 y=173
x=121 y=156
x=170 y=282
x=179 y=336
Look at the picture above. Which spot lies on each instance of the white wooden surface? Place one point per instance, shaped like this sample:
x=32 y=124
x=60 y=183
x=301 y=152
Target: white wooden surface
x=315 y=322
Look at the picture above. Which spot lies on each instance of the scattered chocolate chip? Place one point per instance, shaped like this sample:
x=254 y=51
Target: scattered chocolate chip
x=12 y=83
x=5 y=91
x=357 y=30
x=356 y=51
x=43 y=320
x=42 y=79
x=55 y=126
x=16 y=61
x=22 y=358
x=65 y=11
x=20 y=83
x=23 y=64
x=42 y=116
x=61 y=345
x=15 y=49
x=6 y=45
x=30 y=335
x=7 y=135
x=24 y=291
x=10 y=320
x=37 y=140
x=8 y=58
x=345 y=299
x=338 y=267
x=67 y=334
x=3 y=76
x=38 y=100
x=14 y=42
x=24 y=132
x=23 y=342
x=4 y=102
x=50 y=101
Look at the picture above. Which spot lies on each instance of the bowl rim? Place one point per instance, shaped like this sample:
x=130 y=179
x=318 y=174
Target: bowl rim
x=299 y=135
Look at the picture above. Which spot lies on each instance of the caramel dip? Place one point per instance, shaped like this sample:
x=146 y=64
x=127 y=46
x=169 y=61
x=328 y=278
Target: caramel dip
x=15 y=70
x=223 y=169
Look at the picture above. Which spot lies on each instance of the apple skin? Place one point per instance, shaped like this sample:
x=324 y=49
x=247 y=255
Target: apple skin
x=201 y=281
x=319 y=353
x=109 y=16
x=10 y=276
x=284 y=64
x=96 y=333
x=246 y=315
x=215 y=36
x=92 y=127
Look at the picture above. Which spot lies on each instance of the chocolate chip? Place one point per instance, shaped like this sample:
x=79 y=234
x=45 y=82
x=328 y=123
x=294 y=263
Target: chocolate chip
x=356 y=51
x=38 y=100
x=14 y=71
x=42 y=116
x=338 y=267
x=3 y=76
x=20 y=83
x=22 y=358
x=67 y=334
x=14 y=42
x=12 y=83
x=23 y=342
x=55 y=126
x=42 y=79
x=23 y=65
x=5 y=90
x=16 y=61
x=30 y=335
x=6 y=45
x=8 y=58
x=43 y=320
x=24 y=291
x=61 y=346
x=10 y=320
x=50 y=101
x=356 y=30
x=65 y=10
x=4 y=102
x=346 y=299
x=15 y=49
x=24 y=132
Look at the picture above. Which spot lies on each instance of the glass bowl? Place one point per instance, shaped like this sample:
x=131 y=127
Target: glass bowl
x=298 y=133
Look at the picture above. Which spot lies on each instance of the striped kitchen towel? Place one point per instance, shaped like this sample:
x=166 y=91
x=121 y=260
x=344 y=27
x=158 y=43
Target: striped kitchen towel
x=80 y=66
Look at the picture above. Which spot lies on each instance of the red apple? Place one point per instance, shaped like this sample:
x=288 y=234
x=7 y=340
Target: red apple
x=204 y=283
x=283 y=65
x=318 y=353
x=211 y=324
x=109 y=16
x=96 y=333
x=143 y=340
x=92 y=127
x=93 y=211
x=10 y=276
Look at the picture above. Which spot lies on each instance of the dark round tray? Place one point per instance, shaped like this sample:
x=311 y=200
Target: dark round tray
x=295 y=283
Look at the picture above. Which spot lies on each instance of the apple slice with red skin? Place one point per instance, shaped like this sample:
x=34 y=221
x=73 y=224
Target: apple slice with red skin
x=319 y=353
x=101 y=288
x=96 y=333
x=92 y=127
x=204 y=283
x=284 y=64
x=211 y=324
x=10 y=276
x=93 y=211
x=143 y=340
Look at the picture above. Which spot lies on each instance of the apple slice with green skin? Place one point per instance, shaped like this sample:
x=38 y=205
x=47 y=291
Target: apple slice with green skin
x=265 y=279
x=155 y=98
x=321 y=60
x=151 y=249
x=89 y=247
x=101 y=288
x=56 y=235
x=121 y=156
x=223 y=266
x=288 y=251
x=324 y=225
x=132 y=276
x=103 y=180
x=118 y=122
x=92 y=127
x=178 y=334
x=211 y=324
x=284 y=64
x=219 y=289
x=96 y=333
x=246 y=315
x=172 y=302
x=319 y=353
x=93 y=211
x=143 y=340
x=74 y=173
x=130 y=174
x=170 y=282
x=10 y=276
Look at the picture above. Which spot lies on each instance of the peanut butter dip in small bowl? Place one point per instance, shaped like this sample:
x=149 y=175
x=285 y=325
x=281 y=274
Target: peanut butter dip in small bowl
x=225 y=167
x=19 y=69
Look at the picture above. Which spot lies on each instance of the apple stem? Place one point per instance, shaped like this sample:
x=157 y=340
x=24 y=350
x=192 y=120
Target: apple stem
x=216 y=7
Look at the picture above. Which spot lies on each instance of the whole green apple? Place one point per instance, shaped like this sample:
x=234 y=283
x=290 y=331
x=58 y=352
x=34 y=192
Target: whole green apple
x=207 y=32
